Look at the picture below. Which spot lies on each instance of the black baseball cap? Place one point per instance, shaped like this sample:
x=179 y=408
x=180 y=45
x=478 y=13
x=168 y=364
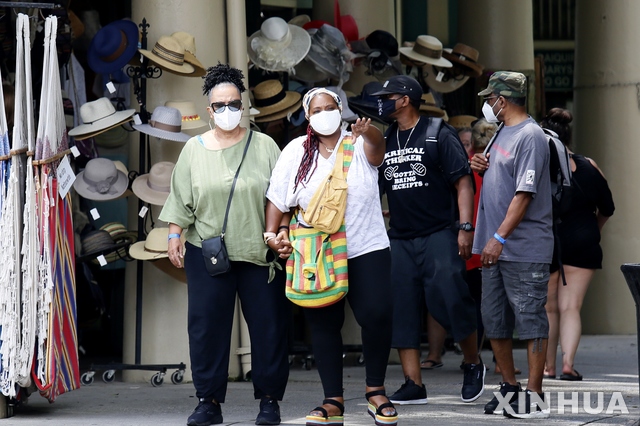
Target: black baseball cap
x=402 y=85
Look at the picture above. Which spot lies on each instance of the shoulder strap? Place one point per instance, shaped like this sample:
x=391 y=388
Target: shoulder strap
x=434 y=128
x=344 y=156
x=493 y=138
x=233 y=186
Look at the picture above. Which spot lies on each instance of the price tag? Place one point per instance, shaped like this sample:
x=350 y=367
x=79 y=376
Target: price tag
x=65 y=177
x=94 y=213
x=111 y=87
x=75 y=151
x=101 y=260
x=136 y=120
x=440 y=76
x=143 y=211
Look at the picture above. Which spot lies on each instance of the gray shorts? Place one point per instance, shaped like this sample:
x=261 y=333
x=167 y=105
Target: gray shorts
x=514 y=294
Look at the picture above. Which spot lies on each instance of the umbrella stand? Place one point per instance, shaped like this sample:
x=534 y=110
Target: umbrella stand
x=139 y=76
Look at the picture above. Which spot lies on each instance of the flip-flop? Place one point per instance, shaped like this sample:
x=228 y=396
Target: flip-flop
x=429 y=364
x=548 y=376
x=571 y=377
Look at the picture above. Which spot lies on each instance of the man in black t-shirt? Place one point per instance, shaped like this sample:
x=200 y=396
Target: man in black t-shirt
x=427 y=179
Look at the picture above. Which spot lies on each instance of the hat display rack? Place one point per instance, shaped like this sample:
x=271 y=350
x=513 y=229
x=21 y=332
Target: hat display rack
x=139 y=75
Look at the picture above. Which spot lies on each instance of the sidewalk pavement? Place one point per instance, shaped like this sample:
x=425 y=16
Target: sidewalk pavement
x=609 y=364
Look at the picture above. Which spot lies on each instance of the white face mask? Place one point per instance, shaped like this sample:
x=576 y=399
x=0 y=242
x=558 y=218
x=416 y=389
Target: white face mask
x=227 y=120
x=326 y=122
x=487 y=111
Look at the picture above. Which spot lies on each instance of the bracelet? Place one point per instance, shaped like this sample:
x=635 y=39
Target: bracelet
x=283 y=227
x=173 y=236
x=499 y=238
x=268 y=236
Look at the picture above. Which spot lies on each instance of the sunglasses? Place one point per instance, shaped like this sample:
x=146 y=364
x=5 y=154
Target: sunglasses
x=218 y=107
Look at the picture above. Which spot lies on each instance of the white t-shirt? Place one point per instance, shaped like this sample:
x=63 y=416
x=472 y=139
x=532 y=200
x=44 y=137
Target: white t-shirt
x=364 y=224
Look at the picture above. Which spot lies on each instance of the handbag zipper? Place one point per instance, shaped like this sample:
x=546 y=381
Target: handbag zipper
x=313 y=213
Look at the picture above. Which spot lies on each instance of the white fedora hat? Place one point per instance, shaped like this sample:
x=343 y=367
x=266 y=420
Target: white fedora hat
x=427 y=49
x=99 y=116
x=278 y=46
x=165 y=123
x=155 y=186
x=101 y=180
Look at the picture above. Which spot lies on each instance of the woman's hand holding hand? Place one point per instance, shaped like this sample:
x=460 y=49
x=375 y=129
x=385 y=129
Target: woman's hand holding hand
x=281 y=244
x=176 y=252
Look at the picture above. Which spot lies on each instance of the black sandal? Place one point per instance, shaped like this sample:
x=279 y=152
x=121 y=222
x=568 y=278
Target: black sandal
x=376 y=412
x=325 y=419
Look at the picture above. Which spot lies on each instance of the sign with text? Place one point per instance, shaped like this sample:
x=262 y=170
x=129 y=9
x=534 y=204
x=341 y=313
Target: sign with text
x=65 y=177
x=558 y=70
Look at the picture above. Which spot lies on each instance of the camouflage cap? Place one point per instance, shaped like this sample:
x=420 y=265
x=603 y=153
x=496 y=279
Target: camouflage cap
x=506 y=83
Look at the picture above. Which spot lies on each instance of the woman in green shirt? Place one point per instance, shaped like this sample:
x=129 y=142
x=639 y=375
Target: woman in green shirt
x=200 y=187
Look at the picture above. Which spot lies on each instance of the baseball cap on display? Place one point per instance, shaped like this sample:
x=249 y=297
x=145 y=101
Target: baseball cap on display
x=506 y=83
x=402 y=85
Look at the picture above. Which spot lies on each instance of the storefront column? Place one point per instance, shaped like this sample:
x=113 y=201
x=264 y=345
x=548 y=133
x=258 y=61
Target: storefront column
x=164 y=320
x=605 y=127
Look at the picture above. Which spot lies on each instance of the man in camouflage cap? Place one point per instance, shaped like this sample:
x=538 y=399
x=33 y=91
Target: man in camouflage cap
x=515 y=240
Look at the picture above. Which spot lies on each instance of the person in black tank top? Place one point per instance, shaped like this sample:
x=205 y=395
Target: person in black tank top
x=579 y=239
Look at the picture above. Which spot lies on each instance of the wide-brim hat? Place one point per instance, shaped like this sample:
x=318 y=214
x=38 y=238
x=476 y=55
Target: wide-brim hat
x=426 y=49
x=449 y=82
x=300 y=20
x=462 y=121
x=120 y=234
x=113 y=46
x=329 y=52
x=168 y=54
x=154 y=247
x=99 y=116
x=278 y=46
x=269 y=97
x=190 y=117
x=98 y=242
x=307 y=72
x=112 y=138
x=165 y=123
x=278 y=115
x=428 y=106
x=101 y=180
x=465 y=57
x=155 y=186
x=189 y=43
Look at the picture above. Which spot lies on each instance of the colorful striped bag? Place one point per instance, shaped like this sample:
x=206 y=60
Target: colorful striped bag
x=317 y=268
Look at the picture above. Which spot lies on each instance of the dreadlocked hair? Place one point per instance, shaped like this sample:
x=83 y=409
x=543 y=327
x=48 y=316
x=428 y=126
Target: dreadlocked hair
x=222 y=73
x=309 y=158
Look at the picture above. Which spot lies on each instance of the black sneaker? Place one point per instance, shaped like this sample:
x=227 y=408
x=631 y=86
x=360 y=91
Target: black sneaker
x=505 y=388
x=409 y=393
x=473 y=383
x=269 y=412
x=206 y=413
x=529 y=409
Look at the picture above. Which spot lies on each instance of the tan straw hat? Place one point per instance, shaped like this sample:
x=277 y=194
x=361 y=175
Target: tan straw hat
x=155 y=186
x=189 y=43
x=462 y=121
x=427 y=49
x=466 y=58
x=270 y=97
x=449 y=81
x=155 y=246
x=190 y=117
x=428 y=107
x=168 y=54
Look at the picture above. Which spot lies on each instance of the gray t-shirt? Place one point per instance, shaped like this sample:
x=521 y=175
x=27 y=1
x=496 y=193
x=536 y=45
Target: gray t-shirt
x=519 y=162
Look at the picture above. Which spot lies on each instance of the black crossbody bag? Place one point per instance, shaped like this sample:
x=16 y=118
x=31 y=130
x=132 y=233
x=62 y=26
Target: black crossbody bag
x=214 y=250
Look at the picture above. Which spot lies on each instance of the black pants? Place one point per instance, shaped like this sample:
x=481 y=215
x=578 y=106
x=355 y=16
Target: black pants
x=211 y=304
x=369 y=294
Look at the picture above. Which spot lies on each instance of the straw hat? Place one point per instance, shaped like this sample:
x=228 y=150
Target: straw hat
x=300 y=20
x=99 y=116
x=189 y=43
x=278 y=46
x=155 y=246
x=271 y=98
x=95 y=243
x=155 y=186
x=119 y=234
x=113 y=46
x=112 y=138
x=427 y=49
x=101 y=180
x=450 y=81
x=168 y=54
x=465 y=57
x=165 y=123
x=190 y=118
x=428 y=107
x=462 y=121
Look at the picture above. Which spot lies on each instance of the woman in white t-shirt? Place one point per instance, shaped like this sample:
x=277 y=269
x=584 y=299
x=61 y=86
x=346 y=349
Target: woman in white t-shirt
x=304 y=163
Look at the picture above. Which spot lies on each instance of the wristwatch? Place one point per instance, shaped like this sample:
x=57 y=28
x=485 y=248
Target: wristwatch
x=466 y=227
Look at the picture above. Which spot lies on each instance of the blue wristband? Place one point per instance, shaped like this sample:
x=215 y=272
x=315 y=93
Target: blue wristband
x=174 y=236
x=499 y=238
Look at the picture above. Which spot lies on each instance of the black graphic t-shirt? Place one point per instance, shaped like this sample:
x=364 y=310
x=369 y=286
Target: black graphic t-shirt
x=418 y=176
